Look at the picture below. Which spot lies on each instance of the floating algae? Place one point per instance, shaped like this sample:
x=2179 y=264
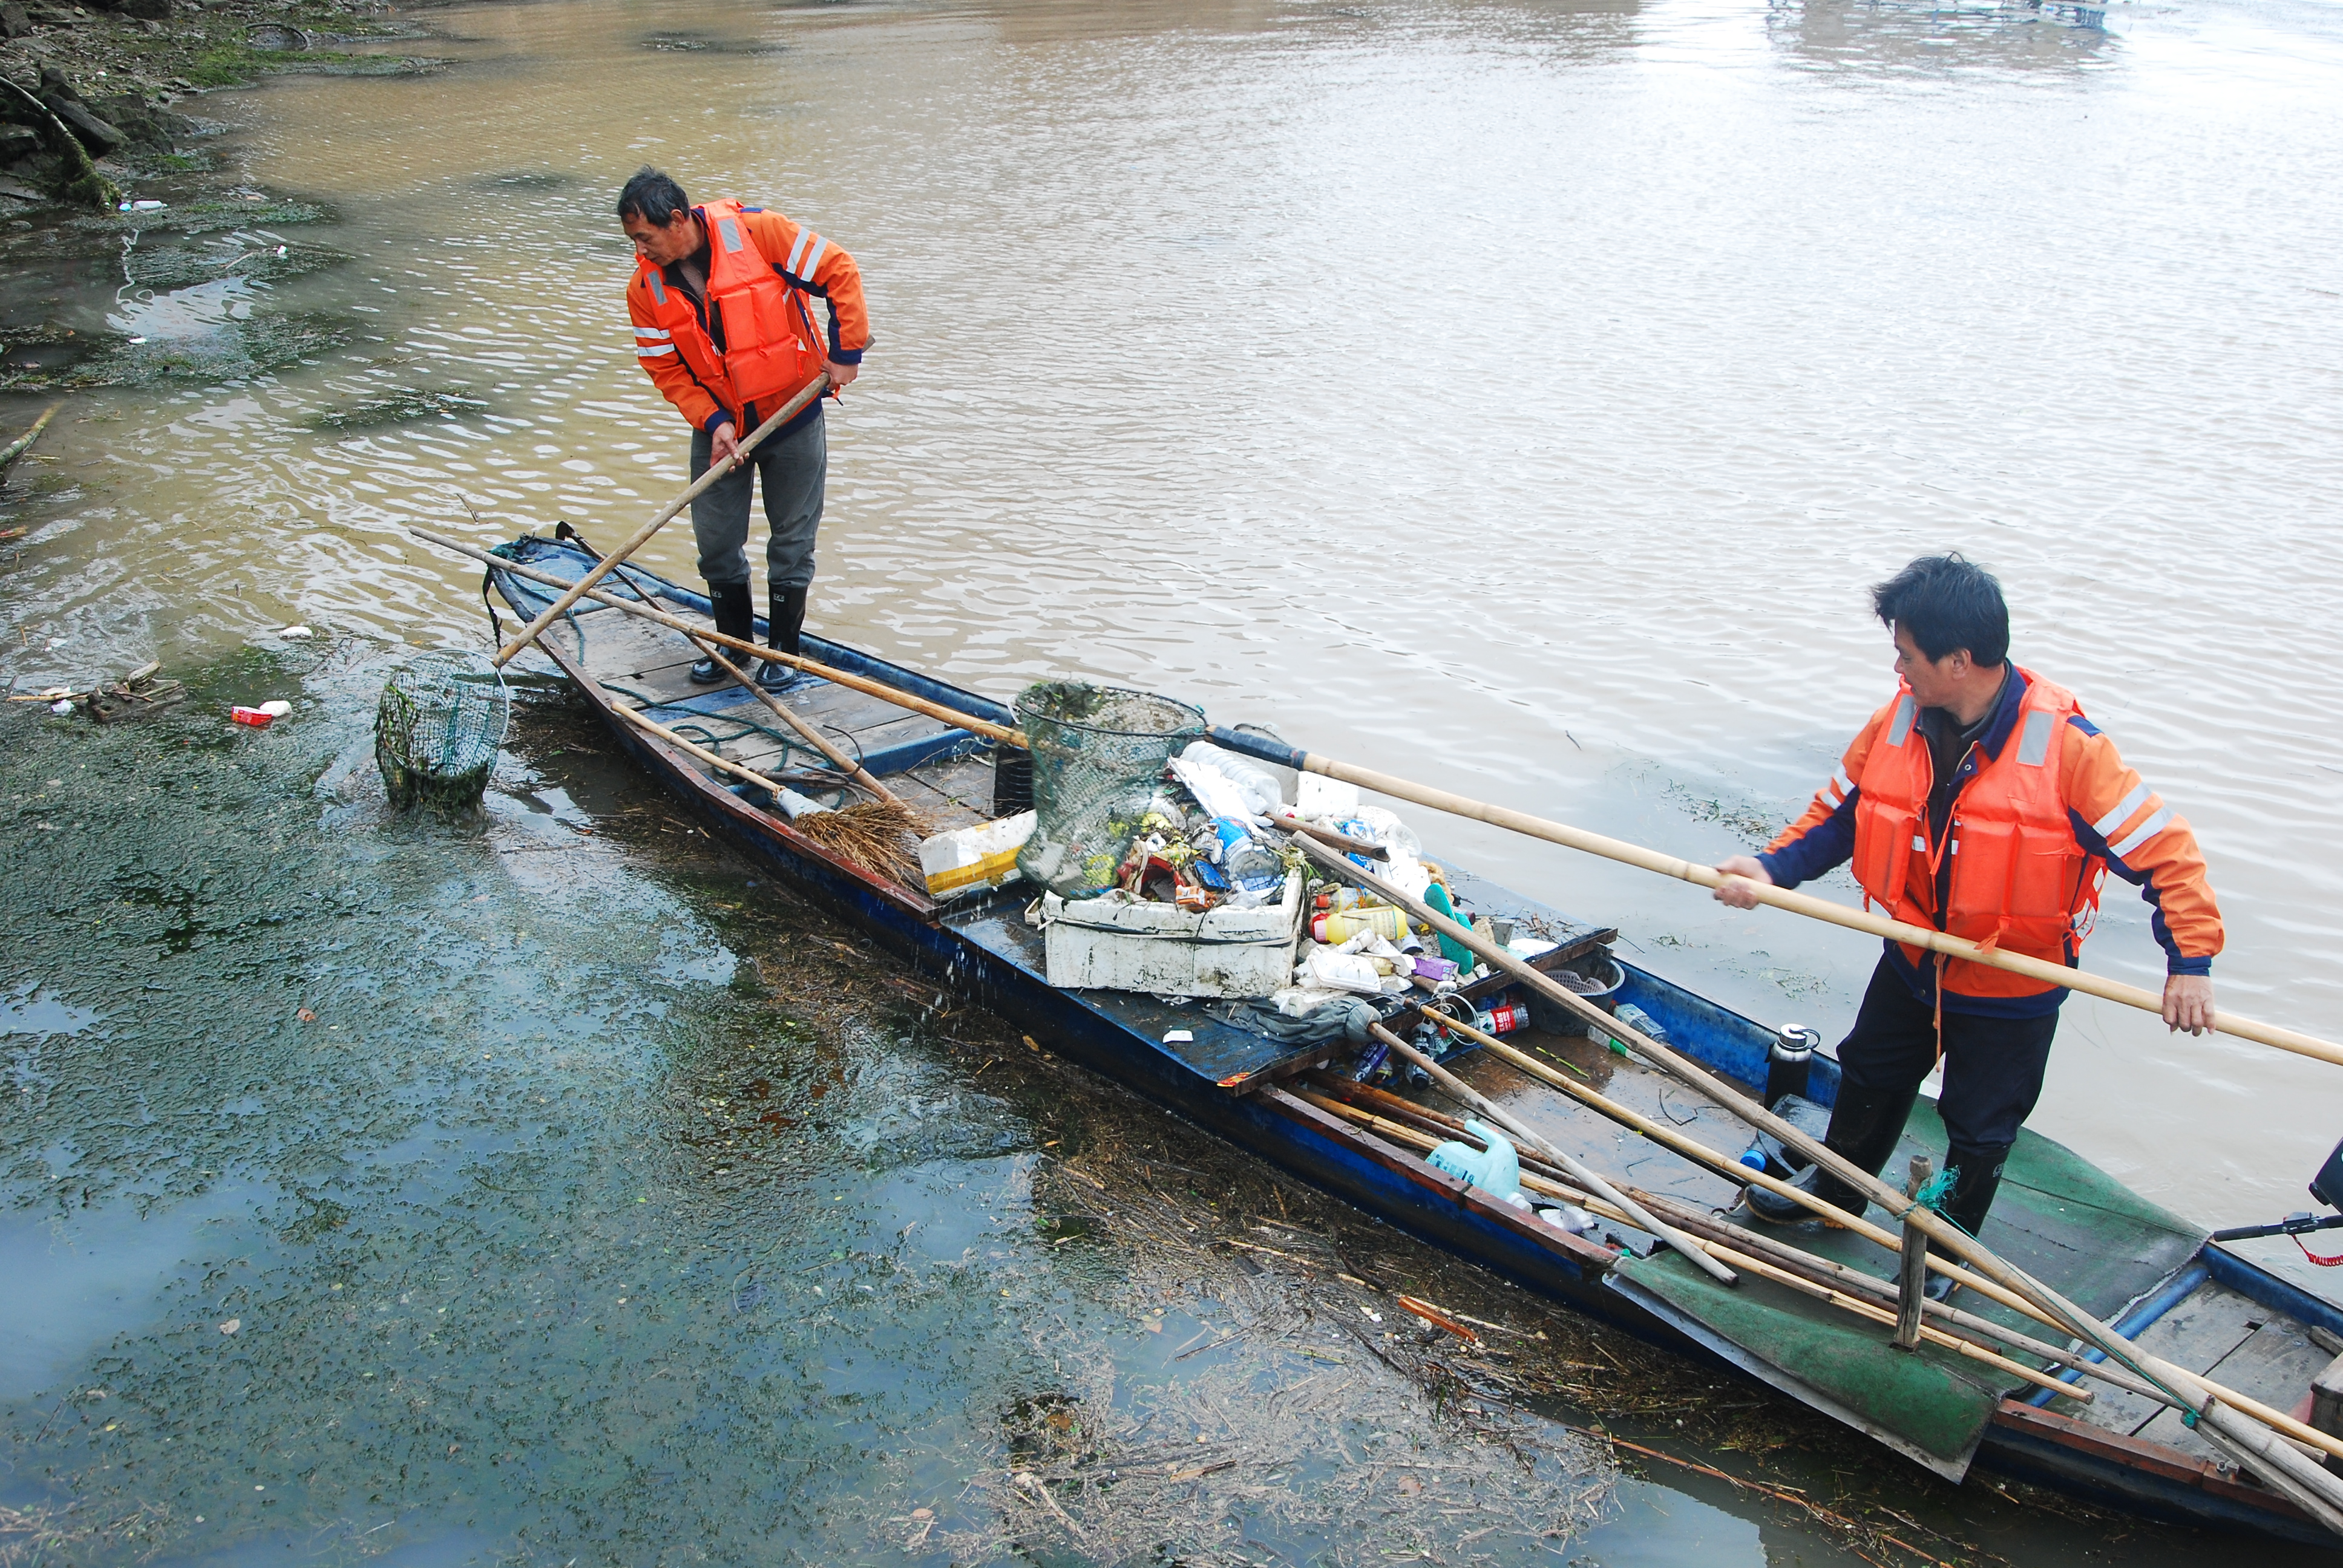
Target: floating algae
x=437 y=730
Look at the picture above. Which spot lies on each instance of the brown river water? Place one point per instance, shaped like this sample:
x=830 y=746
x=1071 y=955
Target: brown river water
x=1519 y=397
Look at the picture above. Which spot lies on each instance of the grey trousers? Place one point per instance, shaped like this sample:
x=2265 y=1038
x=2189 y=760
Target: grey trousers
x=789 y=470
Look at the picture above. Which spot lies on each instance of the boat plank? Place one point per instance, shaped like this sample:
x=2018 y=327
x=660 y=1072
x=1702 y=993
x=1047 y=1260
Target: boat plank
x=2238 y=1341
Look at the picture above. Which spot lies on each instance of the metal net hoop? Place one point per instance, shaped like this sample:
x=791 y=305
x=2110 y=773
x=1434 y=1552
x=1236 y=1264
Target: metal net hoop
x=1099 y=754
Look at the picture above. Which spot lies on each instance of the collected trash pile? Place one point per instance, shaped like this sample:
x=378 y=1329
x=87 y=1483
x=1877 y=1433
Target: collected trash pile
x=1166 y=865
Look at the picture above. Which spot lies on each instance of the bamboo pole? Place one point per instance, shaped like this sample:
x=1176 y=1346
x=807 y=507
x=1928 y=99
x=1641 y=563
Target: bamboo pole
x=1880 y=1293
x=2014 y=1285
x=610 y=563
x=1740 y=1249
x=781 y=710
x=1887 y=1240
x=1593 y=1182
x=722 y=764
x=900 y=699
x=1806 y=904
x=23 y=444
x=1920 y=1332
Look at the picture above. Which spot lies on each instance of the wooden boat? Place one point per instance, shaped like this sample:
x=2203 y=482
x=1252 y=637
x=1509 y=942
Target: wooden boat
x=2155 y=1275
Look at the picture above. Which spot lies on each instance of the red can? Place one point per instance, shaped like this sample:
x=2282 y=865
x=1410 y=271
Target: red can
x=257 y=717
x=1503 y=1020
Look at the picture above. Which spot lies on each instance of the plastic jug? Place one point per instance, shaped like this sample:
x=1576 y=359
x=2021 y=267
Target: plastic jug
x=1340 y=927
x=1496 y=1170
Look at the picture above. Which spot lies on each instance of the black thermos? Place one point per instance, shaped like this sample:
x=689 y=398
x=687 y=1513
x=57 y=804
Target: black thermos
x=1786 y=1064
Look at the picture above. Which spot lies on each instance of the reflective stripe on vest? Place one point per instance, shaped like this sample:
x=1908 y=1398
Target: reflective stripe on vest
x=2034 y=747
x=1901 y=725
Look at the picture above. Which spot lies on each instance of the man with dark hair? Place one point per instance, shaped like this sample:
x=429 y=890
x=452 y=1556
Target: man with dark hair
x=1982 y=802
x=723 y=327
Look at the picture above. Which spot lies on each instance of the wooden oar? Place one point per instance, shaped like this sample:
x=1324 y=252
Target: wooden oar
x=610 y=562
x=1465 y=1094
x=1796 y=903
x=880 y=689
x=2285 y=1471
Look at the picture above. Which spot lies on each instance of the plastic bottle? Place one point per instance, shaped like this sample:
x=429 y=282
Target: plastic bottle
x=1642 y=1023
x=1381 y=919
x=1767 y=1153
x=1244 y=861
x=257 y=718
x=1252 y=786
x=1496 y=1169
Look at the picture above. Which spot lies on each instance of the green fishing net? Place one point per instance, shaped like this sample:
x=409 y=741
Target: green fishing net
x=437 y=726
x=1099 y=754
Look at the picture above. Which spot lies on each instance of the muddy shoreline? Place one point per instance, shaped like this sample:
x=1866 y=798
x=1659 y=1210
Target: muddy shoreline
x=108 y=164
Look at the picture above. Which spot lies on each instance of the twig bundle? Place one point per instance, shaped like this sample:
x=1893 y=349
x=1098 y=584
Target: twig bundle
x=882 y=835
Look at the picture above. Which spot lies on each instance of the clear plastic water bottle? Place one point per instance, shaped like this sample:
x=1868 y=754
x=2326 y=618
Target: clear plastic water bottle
x=1244 y=860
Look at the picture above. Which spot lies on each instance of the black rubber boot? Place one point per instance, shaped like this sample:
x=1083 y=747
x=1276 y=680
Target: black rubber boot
x=1864 y=1127
x=736 y=616
x=785 y=633
x=1976 y=1178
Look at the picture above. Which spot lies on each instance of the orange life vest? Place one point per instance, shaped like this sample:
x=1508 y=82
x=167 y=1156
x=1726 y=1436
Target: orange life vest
x=770 y=349
x=2019 y=880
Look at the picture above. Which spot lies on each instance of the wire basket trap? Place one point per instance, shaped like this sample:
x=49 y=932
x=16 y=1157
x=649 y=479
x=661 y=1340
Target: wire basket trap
x=442 y=717
x=1099 y=753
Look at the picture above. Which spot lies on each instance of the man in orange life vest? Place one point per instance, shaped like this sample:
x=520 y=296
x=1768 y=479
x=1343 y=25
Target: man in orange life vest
x=729 y=367
x=1980 y=802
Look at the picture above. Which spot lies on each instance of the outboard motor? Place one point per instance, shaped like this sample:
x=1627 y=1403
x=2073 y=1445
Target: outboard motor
x=2328 y=1188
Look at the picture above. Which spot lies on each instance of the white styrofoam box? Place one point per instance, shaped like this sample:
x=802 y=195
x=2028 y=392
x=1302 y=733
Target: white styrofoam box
x=1315 y=795
x=972 y=859
x=1107 y=944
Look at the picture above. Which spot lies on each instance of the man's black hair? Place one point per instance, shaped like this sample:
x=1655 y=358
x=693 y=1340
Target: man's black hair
x=653 y=198
x=1948 y=603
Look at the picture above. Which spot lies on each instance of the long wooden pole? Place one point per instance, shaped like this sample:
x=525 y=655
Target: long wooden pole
x=781 y=710
x=900 y=699
x=2313 y=1488
x=1465 y=1094
x=1823 y=1279
x=721 y=764
x=1806 y=904
x=22 y=443
x=634 y=542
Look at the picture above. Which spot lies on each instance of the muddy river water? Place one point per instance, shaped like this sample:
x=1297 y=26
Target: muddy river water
x=1516 y=395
